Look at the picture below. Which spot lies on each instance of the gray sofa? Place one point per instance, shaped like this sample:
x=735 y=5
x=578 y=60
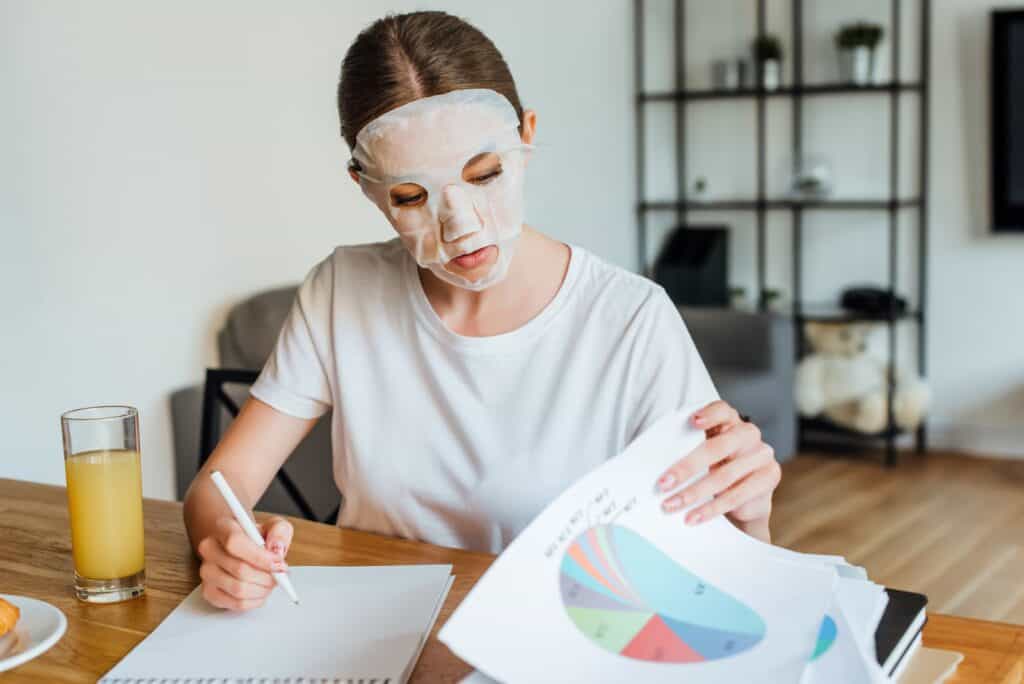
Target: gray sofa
x=749 y=356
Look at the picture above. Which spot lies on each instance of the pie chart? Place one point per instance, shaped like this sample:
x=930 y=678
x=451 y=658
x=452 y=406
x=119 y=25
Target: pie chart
x=626 y=596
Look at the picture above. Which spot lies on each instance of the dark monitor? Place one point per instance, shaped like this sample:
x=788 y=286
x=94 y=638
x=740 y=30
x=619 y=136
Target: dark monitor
x=693 y=266
x=1008 y=120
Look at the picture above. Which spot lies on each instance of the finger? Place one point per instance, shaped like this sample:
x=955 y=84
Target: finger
x=718 y=479
x=211 y=551
x=223 y=600
x=709 y=452
x=278 y=533
x=759 y=507
x=717 y=413
x=215 y=576
x=239 y=569
x=756 y=484
x=715 y=431
x=237 y=543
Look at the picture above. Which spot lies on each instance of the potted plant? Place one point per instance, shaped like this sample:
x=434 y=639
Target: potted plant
x=700 y=189
x=856 y=43
x=772 y=300
x=767 y=51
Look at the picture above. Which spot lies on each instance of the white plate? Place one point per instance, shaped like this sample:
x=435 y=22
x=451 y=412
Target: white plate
x=40 y=627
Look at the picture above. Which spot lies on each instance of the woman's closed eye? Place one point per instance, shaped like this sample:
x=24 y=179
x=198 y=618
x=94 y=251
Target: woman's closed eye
x=409 y=199
x=487 y=177
x=408 y=195
x=482 y=169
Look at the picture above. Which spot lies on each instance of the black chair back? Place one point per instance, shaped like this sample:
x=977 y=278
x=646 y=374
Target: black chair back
x=215 y=398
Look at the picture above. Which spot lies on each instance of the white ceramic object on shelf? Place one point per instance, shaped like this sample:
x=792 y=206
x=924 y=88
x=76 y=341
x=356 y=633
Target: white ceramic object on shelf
x=771 y=74
x=857 y=65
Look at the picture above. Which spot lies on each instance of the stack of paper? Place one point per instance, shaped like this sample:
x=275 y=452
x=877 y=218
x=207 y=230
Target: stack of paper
x=605 y=586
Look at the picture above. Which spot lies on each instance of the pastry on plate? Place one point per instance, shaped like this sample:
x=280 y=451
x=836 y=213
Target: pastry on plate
x=9 y=615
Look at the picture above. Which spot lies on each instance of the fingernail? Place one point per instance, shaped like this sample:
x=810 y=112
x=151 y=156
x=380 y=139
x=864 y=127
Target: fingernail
x=673 y=504
x=280 y=566
x=276 y=548
x=667 y=482
x=697 y=419
x=694 y=518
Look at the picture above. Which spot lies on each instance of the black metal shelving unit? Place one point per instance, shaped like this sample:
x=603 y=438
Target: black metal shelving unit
x=811 y=432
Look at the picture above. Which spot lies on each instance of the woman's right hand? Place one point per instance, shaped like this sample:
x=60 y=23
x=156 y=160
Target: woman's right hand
x=235 y=570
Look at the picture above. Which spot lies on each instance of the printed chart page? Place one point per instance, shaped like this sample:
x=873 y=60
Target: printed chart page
x=605 y=586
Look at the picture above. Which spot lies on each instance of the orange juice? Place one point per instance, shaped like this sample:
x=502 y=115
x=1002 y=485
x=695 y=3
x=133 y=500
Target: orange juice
x=105 y=505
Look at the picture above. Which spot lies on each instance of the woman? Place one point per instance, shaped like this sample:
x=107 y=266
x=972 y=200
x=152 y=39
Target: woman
x=475 y=366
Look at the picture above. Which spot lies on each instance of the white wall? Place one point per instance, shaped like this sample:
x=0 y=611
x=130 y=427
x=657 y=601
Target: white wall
x=161 y=161
x=159 y=164
x=977 y=329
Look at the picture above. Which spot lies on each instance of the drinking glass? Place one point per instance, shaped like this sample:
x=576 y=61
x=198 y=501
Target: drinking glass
x=104 y=477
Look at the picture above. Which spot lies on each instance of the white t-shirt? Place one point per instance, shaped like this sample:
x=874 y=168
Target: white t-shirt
x=461 y=441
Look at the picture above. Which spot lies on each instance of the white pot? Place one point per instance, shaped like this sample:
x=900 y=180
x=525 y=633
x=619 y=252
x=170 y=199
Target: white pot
x=771 y=74
x=857 y=65
x=725 y=74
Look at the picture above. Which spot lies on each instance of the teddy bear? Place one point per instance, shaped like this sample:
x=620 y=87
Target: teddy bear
x=845 y=380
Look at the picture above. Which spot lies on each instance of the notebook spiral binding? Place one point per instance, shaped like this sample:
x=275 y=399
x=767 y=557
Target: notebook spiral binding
x=247 y=680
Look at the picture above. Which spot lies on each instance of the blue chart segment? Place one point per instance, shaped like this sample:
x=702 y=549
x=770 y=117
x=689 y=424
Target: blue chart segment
x=826 y=637
x=628 y=597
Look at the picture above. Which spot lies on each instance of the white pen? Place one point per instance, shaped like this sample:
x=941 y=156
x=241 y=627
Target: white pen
x=250 y=529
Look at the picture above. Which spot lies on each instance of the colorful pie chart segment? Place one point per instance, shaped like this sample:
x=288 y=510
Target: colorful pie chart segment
x=826 y=637
x=628 y=597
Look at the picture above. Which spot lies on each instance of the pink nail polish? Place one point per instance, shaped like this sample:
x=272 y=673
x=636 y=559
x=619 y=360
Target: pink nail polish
x=276 y=548
x=694 y=519
x=670 y=505
x=667 y=481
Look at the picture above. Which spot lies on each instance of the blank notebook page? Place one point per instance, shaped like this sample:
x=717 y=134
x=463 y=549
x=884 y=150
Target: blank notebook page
x=354 y=623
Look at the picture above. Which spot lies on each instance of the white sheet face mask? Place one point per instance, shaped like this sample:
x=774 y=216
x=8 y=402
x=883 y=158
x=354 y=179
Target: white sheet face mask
x=440 y=212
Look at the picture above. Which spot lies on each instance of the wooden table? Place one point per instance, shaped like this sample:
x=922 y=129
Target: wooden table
x=35 y=560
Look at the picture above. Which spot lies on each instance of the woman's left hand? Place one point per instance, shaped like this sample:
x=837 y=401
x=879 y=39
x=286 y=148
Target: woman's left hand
x=742 y=475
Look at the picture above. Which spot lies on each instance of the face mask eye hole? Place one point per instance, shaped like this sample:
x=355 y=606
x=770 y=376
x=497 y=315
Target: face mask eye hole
x=482 y=168
x=408 y=195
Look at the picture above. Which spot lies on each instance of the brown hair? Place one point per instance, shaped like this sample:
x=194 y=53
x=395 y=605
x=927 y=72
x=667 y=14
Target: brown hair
x=404 y=57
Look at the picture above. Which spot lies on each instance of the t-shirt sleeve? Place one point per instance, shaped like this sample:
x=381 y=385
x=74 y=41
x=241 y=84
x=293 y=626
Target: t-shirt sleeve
x=294 y=379
x=670 y=374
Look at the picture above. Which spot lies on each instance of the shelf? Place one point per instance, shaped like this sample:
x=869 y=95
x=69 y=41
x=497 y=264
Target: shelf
x=680 y=94
x=786 y=91
x=828 y=313
x=822 y=426
x=754 y=204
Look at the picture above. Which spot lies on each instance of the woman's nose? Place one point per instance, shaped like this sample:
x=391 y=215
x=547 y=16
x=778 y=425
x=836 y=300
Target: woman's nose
x=457 y=214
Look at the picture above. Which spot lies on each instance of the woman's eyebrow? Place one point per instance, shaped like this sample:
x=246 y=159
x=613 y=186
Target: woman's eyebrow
x=479 y=156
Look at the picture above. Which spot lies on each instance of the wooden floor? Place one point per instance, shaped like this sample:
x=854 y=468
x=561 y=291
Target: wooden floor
x=946 y=525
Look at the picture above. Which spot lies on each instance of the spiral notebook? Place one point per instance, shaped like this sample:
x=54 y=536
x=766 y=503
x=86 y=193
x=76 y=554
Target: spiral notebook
x=355 y=624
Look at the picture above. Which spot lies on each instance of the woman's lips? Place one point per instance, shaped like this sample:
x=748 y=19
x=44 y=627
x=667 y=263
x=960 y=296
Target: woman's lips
x=472 y=259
